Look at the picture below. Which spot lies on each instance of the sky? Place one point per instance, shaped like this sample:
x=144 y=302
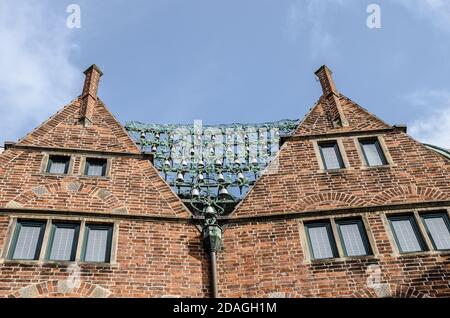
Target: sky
x=176 y=61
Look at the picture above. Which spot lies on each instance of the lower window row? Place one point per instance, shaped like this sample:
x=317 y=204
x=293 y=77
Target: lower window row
x=407 y=234
x=62 y=244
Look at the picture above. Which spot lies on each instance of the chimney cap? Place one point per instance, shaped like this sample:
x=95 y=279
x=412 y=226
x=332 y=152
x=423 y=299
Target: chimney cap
x=93 y=67
x=323 y=67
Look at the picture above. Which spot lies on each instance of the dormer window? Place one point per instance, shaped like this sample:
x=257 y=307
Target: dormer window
x=331 y=155
x=373 y=153
x=58 y=164
x=95 y=167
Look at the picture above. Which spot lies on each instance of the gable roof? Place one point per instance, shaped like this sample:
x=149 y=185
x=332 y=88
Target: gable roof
x=63 y=130
x=316 y=121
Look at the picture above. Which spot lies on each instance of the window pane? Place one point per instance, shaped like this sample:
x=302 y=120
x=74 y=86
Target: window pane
x=28 y=241
x=97 y=245
x=58 y=165
x=439 y=231
x=96 y=168
x=406 y=235
x=320 y=242
x=352 y=239
x=331 y=156
x=63 y=243
x=373 y=154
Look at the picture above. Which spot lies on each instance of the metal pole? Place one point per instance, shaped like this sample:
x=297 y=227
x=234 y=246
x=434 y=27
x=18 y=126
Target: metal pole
x=213 y=273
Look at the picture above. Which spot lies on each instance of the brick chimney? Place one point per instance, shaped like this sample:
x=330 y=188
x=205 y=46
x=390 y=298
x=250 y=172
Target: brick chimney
x=89 y=94
x=330 y=98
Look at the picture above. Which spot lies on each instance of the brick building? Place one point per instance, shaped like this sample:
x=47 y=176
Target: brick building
x=349 y=207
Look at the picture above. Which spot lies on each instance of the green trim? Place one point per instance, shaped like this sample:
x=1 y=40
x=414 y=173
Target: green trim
x=76 y=227
x=442 y=215
x=439 y=150
x=88 y=227
x=419 y=237
x=15 y=238
x=362 y=233
x=330 y=235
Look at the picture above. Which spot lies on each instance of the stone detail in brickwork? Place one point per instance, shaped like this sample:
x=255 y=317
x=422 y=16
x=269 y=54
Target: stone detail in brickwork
x=40 y=190
x=29 y=292
x=72 y=186
x=102 y=194
x=121 y=210
x=14 y=205
x=277 y=295
x=100 y=292
x=60 y=288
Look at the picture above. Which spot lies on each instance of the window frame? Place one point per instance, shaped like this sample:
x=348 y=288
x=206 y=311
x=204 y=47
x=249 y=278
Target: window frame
x=50 y=162
x=18 y=226
x=68 y=224
x=109 y=241
x=435 y=214
x=104 y=167
x=329 y=228
x=337 y=151
x=362 y=232
x=378 y=146
x=415 y=226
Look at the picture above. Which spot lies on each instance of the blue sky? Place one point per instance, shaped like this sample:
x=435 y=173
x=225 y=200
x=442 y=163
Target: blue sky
x=174 y=61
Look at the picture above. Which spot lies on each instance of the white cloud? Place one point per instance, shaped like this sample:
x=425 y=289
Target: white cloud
x=306 y=22
x=436 y=11
x=435 y=127
x=36 y=76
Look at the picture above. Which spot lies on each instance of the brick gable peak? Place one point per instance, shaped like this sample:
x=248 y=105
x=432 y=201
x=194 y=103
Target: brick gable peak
x=334 y=112
x=85 y=123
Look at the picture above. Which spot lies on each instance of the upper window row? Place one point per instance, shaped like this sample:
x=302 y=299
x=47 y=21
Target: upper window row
x=58 y=164
x=370 y=147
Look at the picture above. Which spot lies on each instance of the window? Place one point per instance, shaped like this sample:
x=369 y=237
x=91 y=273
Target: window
x=27 y=240
x=321 y=241
x=63 y=241
x=95 y=167
x=438 y=229
x=58 y=164
x=373 y=154
x=406 y=234
x=353 y=238
x=97 y=245
x=331 y=156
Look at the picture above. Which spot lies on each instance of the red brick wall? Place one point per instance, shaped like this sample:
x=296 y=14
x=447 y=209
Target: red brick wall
x=417 y=174
x=154 y=259
x=261 y=259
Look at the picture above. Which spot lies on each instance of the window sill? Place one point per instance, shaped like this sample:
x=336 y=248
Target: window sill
x=343 y=259
x=95 y=177
x=334 y=171
x=61 y=263
x=423 y=253
x=383 y=167
x=48 y=174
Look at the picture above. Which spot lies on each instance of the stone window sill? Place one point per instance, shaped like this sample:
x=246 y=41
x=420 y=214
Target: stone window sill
x=343 y=259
